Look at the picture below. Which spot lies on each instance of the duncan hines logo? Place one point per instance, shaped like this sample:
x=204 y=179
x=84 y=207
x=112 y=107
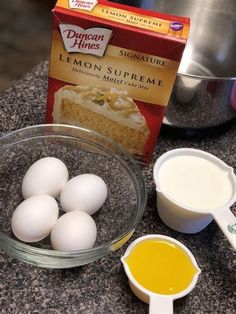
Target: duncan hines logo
x=84 y=5
x=91 y=41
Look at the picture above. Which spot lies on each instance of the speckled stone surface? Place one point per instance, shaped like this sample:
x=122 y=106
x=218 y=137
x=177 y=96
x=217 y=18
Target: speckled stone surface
x=102 y=286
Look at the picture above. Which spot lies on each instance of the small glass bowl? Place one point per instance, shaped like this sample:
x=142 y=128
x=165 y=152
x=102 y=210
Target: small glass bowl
x=83 y=151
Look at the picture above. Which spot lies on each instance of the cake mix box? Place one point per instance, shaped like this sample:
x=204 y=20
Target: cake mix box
x=112 y=70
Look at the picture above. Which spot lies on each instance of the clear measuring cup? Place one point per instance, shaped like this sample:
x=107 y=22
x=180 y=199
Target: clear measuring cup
x=193 y=188
x=159 y=302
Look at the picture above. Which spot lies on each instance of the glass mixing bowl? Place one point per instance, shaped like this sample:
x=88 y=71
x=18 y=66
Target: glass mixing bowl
x=83 y=151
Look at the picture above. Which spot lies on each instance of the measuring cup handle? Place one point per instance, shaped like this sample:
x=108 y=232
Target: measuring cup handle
x=227 y=223
x=160 y=305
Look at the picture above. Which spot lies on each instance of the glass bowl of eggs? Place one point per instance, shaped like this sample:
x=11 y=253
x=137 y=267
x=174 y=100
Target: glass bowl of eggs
x=69 y=196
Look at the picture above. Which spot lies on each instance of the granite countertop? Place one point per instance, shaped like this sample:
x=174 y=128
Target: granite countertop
x=102 y=286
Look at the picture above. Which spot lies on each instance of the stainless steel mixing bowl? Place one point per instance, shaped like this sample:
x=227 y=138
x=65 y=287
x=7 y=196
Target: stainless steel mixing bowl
x=204 y=93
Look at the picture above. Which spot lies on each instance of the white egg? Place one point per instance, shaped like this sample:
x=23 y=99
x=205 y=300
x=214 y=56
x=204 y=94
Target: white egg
x=74 y=231
x=34 y=218
x=86 y=192
x=46 y=176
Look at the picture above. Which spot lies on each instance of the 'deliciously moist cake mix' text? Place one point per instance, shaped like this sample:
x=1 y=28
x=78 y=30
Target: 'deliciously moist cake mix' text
x=112 y=70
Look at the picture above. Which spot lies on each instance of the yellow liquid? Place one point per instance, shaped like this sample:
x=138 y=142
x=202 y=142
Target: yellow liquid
x=161 y=266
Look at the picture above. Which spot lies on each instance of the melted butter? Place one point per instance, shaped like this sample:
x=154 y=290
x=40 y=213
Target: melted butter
x=161 y=266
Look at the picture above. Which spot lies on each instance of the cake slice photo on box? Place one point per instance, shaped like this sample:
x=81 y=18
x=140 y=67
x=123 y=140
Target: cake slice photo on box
x=107 y=110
